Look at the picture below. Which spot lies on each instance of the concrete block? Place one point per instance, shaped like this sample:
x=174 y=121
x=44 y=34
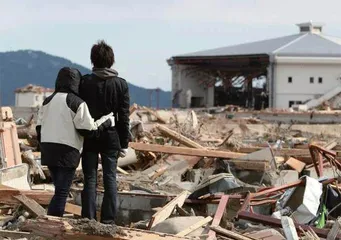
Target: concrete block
x=178 y=224
x=285 y=177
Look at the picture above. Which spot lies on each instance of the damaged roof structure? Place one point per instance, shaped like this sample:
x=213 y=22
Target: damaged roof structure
x=297 y=68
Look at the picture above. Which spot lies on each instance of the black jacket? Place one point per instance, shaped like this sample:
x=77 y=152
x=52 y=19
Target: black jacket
x=105 y=92
x=63 y=120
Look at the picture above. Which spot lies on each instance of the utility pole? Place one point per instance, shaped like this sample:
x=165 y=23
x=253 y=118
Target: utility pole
x=157 y=98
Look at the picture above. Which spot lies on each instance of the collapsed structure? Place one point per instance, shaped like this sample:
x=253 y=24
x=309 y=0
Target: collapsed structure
x=303 y=68
x=205 y=174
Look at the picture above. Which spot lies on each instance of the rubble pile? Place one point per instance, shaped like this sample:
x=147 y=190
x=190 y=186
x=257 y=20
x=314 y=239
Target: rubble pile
x=203 y=174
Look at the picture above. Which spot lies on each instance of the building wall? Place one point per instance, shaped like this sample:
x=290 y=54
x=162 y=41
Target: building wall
x=181 y=80
x=301 y=89
x=30 y=99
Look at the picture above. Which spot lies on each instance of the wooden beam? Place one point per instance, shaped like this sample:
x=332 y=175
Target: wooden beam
x=229 y=156
x=184 y=151
x=218 y=215
x=167 y=210
x=32 y=206
x=280 y=152
x=178 y=137
x=195 y=226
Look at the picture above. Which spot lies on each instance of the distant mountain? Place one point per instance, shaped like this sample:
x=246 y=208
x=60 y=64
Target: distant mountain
x=20 y=68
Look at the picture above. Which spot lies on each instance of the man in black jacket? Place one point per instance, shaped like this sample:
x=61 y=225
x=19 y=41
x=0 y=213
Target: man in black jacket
x=62 y=121
x=104 y=92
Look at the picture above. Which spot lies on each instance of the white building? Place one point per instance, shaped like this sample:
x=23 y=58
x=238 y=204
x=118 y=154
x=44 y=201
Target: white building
x=297 y=68
x=31 y=96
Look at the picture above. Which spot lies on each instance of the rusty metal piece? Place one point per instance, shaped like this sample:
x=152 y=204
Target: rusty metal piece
x=318 y=154
x=274 y=222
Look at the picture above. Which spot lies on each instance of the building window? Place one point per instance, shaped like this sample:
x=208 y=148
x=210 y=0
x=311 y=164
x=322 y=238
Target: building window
x=320 y=79
x=289 y=79
x=291 y=103
x=37 y=98
x=311 y=79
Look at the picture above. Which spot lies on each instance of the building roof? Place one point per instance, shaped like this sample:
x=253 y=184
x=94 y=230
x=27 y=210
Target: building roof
x=33 y=89
x=309 y=42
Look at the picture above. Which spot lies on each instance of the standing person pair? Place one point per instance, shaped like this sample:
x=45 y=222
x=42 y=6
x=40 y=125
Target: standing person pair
x=86 y=116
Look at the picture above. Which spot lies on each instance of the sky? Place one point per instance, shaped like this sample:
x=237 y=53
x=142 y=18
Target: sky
x=144 y=34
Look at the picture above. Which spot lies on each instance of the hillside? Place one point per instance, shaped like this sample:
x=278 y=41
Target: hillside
x=17 y=69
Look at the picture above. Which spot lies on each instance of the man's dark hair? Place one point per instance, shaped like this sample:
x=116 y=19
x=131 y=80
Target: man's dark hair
x=102 y=55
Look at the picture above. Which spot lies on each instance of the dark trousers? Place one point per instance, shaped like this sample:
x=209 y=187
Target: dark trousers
x=62 y=179
x=89 y=194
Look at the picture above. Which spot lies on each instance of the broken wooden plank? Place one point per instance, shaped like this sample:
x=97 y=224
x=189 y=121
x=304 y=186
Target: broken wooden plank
x=178 y=137
x=330 y=145
x=167 y=210
x=230 y=234
x=155 y=114
x=74 y=209
x=295 y=164
x=335 y=230
x=61 y=228
x=193 y=227
x=218 y=215
x=32 y=206
x=184 y=150
x=14 y=235
x=230 y=156
x=289 y=228
x=7 y=194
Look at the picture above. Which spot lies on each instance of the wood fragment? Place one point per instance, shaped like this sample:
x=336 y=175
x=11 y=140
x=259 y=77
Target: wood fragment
x=155 y=114
x=335 y=230
x=295 y=164
x=218 y=215
x=122 y=171
x=74 y=209
x=181 y=211
x=178 y=137
x=230 y=234
x=229 y=134
x=167 y=210
x=32 y=206
x=194 y=227
x=7 y=194
x=14 y=234
x=133 y=108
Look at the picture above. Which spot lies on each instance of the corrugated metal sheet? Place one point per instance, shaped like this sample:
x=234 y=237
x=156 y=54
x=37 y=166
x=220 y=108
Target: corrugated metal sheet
x=303 y=44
